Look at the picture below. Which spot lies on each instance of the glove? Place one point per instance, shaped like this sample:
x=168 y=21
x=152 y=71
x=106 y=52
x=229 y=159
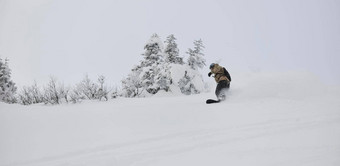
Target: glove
x=209 y=74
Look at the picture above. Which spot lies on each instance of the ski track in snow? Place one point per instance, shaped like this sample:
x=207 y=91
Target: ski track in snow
x=134 y=152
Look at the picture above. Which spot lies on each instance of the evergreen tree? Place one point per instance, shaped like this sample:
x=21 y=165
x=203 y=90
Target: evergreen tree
x=186 y=84
x=7 y=86
x=171 y=51
x=153 y=51
x=192 y=81
x=196 y=60
x=144 y=77
x=149 y=79
x=163 y=78
x=132 y=85
x=153 y=59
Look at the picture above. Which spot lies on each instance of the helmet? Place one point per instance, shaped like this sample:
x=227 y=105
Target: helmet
x=212 y=65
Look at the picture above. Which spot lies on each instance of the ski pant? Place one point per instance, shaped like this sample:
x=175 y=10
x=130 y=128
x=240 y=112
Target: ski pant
x=221 y=89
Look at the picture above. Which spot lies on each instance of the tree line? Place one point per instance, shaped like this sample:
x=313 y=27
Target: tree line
x=161 y=69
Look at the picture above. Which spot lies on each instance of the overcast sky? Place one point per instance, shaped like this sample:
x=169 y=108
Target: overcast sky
x=69 y=38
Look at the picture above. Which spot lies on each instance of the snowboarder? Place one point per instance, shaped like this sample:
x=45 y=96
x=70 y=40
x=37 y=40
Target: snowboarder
x=223 y=79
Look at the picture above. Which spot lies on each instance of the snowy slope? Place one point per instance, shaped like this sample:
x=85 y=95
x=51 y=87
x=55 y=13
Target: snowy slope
x=268 y=119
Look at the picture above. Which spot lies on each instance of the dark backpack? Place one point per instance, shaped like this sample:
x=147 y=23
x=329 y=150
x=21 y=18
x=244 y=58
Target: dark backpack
x=226 y=73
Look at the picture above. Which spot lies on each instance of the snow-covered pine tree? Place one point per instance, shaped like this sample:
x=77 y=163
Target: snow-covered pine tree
x=149 y=80
x=132 y=86
x=163 y=78
x=171 y=51
x=186 y=85
x=153 y=59
x=192 y=81
x=151 y=75
x=7 y=86
x=196 y=60
x=153 y=51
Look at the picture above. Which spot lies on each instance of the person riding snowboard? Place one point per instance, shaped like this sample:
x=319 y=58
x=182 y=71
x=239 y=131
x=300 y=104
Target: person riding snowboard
x=223 y=79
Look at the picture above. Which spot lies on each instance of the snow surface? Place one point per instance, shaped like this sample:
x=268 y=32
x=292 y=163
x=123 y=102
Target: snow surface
x=268 y=119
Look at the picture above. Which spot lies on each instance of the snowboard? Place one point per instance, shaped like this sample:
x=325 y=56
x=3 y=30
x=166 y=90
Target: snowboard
x=210 y=101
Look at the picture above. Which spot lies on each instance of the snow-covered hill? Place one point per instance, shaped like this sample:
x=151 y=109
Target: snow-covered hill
x=268 y=119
